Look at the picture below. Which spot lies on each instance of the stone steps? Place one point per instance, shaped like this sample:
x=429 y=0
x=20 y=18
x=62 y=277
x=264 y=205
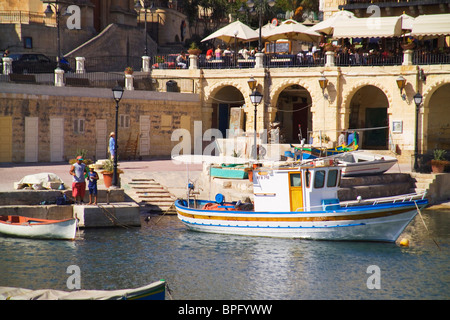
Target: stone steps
x=151 y=196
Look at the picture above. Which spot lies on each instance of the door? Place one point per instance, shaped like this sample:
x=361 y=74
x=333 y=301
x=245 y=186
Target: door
x=376 y=139
x=144 y=135
x=56 y=139
x=299 y=122
x=5 y=139
x=224 y=118
x=101 y=139
x=31 y=139
x=295 y=191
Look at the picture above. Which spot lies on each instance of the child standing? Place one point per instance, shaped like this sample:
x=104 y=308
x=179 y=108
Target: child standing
x=92 y=177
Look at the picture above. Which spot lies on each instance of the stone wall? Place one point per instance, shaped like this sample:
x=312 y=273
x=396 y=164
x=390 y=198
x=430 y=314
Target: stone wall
x=166 y=112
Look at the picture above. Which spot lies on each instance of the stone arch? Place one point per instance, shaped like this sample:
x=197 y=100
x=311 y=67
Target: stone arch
x=435 y=120
x=210 y=92
x=221 y=110
x=367 y=114
x=347 y=95
x=292 y=109
x=289 y=82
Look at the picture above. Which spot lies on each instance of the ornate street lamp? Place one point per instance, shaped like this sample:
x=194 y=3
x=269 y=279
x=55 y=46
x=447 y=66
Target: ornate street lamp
x=256 y=98
x=117 y=94
x=48 y=13
x=138 y=7
x=261 y=3
x=418 y=101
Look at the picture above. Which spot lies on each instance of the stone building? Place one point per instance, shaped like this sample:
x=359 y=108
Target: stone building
x=358 y=97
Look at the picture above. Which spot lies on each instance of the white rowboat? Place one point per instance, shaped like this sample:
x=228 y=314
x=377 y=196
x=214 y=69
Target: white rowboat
x=25 y=227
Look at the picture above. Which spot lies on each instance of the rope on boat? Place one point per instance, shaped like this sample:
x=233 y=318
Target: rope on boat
x=420 y=214
x=169 y=291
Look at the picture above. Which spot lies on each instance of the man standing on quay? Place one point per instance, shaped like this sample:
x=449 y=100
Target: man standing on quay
x=112 y=145
x=78 y=171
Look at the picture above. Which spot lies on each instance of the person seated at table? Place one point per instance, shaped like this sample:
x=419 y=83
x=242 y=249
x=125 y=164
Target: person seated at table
x=209 y=54
x=181 y=60
x=244 y=53
x=218 y=53
x=300 y=57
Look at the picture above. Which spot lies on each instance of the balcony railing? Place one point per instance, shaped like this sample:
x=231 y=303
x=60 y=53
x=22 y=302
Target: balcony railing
x=107 y=71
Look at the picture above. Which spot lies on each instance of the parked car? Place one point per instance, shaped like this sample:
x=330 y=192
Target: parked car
x=34 y=63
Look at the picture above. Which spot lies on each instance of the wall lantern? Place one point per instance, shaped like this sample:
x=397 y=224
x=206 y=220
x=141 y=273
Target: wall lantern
x=323 y=82
x=252 y=83
x=401 y=83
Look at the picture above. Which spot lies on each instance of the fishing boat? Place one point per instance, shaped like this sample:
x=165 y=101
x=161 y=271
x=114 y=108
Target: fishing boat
x=302 y=202
x=25 y=227
x=153 y=291
x=310 y=152
x=364 y=163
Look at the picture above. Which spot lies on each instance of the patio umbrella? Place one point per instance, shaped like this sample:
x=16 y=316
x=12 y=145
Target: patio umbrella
x=237 y=29
x=327 y=26
x=292 y=31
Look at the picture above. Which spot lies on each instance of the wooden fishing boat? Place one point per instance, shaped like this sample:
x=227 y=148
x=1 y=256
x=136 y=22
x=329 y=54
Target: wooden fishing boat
x=364 y=163
x=25 y=227
x=310 y=152
x=153 y=291
x=302 y=202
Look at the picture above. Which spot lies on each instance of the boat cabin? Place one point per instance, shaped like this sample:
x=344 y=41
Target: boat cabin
x=311 y=187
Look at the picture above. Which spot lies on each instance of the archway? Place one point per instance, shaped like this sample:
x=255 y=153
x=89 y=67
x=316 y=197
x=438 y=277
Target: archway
x=438 y=135
x=227 y=113
x=369 y=113
x=294 y=114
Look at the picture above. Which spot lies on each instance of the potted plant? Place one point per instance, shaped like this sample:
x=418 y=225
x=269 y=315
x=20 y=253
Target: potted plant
x=438 y=163
x=194 y=49
x=128 y=70
x=108 y=172
x=83 y=154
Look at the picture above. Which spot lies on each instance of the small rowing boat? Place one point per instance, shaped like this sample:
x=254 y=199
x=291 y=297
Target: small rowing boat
x=301 y=202
x=360 y=163
x=153 y=291
x=25 y=227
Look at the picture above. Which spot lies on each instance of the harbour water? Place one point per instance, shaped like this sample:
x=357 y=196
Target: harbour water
x=200 y=266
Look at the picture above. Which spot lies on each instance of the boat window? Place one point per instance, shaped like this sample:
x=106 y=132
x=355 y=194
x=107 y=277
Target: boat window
x=332 y=178
x=319 y=179
x=296 y=180
x=307 y=178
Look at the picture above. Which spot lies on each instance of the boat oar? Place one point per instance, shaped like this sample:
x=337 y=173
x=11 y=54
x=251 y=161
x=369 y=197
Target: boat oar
x=420 y=214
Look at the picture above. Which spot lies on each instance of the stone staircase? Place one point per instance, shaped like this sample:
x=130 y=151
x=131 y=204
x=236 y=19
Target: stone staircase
x=377 y=186
x=151 y=196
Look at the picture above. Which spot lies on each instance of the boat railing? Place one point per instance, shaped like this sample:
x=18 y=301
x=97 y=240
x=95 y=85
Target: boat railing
x=393 y=199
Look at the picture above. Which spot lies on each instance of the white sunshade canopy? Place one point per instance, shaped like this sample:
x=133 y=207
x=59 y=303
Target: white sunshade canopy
x=236 y=28
x=431 y=25
x=373 y=27
x=327 y=26
x=292 y=31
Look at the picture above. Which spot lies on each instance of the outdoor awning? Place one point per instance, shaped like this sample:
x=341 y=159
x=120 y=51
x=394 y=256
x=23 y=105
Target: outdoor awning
x=373 y=27
x=431 y=25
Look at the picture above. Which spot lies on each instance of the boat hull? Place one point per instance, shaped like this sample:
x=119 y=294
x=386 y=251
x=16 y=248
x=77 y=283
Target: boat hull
x=24 y=227
x=153 y=291
x=384 y=222
x=367 y=168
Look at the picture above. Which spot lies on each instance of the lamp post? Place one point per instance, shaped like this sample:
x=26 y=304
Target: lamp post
x=256 y=98
x=117 y=94
x=48 y=13
x=251 y=4
x=418 y=101
x=146 y=6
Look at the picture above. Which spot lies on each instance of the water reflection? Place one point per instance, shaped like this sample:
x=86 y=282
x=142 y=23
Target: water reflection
x=210 y=266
